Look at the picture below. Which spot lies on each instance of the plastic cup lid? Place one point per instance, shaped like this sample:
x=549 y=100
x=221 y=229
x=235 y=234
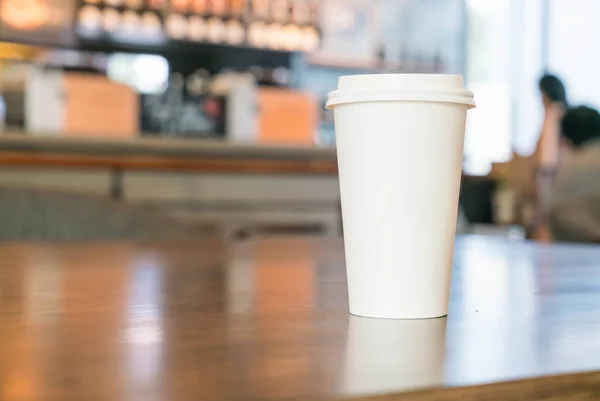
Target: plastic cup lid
x=401 y=87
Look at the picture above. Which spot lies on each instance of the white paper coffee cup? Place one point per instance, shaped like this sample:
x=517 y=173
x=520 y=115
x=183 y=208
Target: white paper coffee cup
x=399 y=143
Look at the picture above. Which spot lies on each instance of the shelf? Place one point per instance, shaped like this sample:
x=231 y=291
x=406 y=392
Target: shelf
x=106 y=43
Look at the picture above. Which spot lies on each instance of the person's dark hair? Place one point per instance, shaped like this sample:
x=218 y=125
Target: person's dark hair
x=580 y=125
x=553 y=88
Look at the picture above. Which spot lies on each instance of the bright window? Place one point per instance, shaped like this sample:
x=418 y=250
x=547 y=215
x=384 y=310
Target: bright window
x=572 y=51
x=504 y=62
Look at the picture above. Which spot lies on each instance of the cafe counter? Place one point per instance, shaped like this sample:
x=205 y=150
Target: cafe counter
x=232 y=185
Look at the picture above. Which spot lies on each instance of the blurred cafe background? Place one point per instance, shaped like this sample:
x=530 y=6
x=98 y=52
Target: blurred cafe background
x=209 y=114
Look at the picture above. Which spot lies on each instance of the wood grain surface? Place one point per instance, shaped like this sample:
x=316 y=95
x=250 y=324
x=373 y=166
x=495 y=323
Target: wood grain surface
x=267 y=320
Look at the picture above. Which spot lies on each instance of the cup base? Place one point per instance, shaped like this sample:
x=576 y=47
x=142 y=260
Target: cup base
x=374 y=316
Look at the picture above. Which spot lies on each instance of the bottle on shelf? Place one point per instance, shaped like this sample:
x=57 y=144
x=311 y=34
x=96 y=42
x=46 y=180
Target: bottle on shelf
x=280 y=76
x=176 y=26
x=111 y=20
x=151 y=25
x=200 y=7
x=235 y=34
x=197 y=29
x=260 y=9
x=291 y=37
x=280 y=11
x=274 y=36
x=134 y=4
x=90 y=18
x=131 y=22
x=258 y=34
x=301 y=12
x=156 y=4
x=238 y=8
x=216 y=30
x=218 y=8
x=198 y=82
x=180 y=6
x=257 y=72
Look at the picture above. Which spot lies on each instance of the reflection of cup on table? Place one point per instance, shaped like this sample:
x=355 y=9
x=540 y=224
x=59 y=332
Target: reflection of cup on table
x=399 y=143
x=386 y=356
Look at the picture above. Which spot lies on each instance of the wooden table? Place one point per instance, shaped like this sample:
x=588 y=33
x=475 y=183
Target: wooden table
x=267 y=319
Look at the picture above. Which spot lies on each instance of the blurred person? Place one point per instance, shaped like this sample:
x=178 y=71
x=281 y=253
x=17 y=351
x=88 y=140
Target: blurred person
x=554 y=100
x=548 y=152
x=574 y=210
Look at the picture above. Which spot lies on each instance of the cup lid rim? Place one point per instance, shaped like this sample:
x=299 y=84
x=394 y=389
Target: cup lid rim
x=400 y=87
x=339 y=97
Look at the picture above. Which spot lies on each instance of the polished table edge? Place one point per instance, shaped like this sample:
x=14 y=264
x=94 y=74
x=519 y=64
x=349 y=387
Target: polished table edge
x=571 y=387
